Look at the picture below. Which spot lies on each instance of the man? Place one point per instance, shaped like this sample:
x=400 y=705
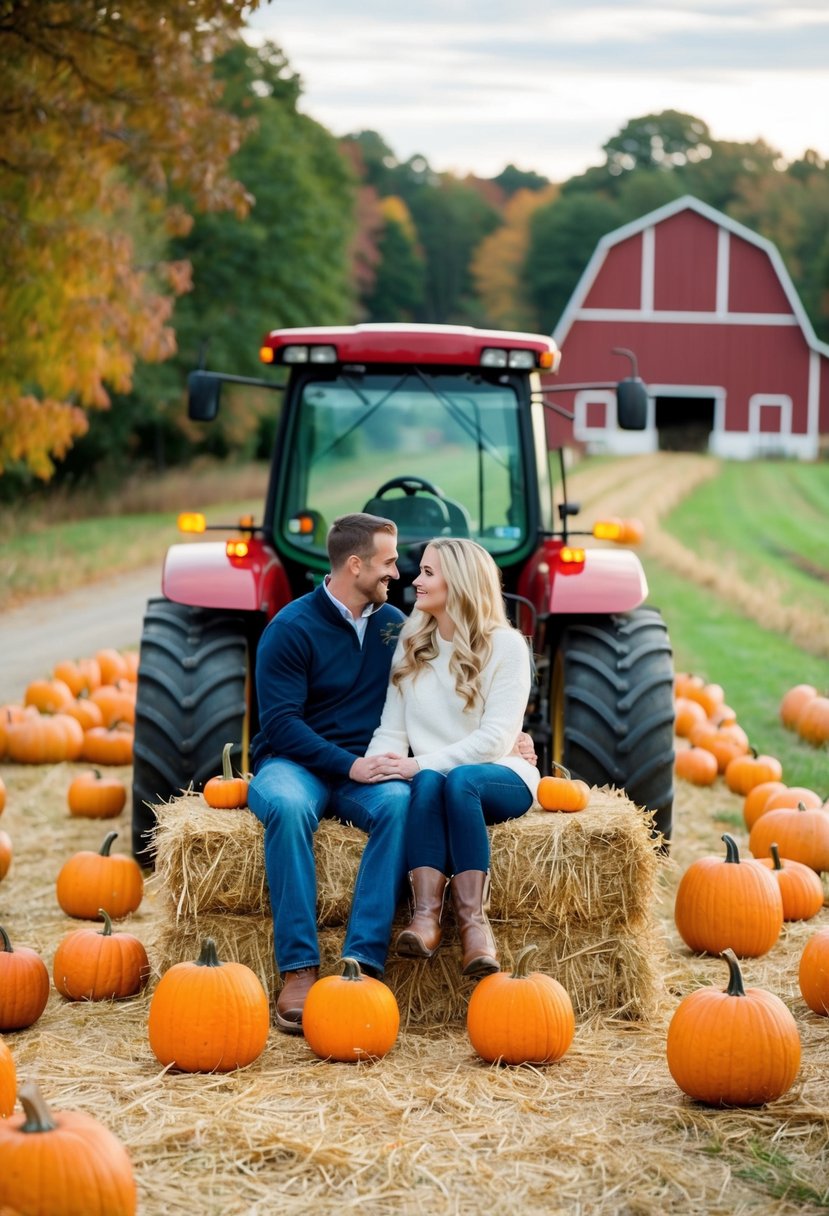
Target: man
x=322 y=670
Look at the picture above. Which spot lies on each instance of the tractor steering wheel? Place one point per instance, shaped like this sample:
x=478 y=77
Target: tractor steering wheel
x=410 y=487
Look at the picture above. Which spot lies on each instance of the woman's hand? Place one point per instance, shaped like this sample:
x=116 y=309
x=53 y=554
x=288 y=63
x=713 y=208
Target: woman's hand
x=387 y=767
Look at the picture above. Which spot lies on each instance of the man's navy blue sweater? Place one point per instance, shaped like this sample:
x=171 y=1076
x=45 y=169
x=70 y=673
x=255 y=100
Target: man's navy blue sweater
x=320 y=693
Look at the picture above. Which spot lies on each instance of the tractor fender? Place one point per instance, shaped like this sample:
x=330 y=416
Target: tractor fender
x=607 y=581
x=205 y=576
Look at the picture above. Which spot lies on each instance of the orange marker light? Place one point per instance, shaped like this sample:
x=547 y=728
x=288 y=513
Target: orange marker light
x=266 y=354
x=607 y=529
x=236 y=548
x=570 y=555
x=191 y=521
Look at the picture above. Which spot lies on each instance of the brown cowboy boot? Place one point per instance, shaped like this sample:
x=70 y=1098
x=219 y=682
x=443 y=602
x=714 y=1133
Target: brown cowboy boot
x=421 y=937
x=470 y=897
x=291 y=1001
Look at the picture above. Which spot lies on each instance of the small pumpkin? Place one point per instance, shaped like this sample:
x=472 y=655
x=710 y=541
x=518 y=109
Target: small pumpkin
x=24 y=985
x=800 y=887
x=721 y=903
x=744 y=772
x=99 y=965
x=755 y=801
x=81 y=677
x=8 y=1081
x=86 y=712
x=94 y=796
x=208 y=1016
x=565 y=793
x=226 y=791
x=813 y=723
x=48 y=696
x=6 y=853
x=710 y=696
x=520 y=1018
x=794 y=702
x=801 y=833
x=116 y=702
x=90 y=881
x=813 y=972
x=724 y=742
x=108 y=745
x=60 y=1163
x=740 y=1047
x=351 y=1016
x=687 y=715
x=697 y=765
x=112 y=664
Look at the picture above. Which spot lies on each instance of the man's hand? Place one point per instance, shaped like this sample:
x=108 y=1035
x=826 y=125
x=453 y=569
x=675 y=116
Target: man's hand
x=368 y=770
x=525 y=748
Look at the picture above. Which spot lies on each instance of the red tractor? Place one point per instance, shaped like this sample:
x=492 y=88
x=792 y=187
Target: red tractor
x=443 y=430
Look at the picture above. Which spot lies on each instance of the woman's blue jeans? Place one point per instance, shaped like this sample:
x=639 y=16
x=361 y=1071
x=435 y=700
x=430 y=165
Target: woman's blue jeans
x=290 y=801
x=449 y=813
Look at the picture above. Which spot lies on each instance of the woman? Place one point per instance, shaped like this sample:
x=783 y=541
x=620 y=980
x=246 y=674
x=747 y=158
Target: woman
x=459 y=687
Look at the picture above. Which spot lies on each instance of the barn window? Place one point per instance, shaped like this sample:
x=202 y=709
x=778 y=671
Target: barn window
x=595 y=412
x=770 y=414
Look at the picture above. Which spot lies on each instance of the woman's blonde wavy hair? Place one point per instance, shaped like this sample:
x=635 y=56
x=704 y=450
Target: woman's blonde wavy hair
x=474 y=604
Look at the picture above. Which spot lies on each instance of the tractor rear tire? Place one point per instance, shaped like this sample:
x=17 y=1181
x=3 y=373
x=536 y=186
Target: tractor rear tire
x=613 y=708
x=192 y=699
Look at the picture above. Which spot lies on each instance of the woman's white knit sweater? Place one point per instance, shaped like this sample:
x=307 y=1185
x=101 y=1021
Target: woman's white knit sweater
x=426 y=715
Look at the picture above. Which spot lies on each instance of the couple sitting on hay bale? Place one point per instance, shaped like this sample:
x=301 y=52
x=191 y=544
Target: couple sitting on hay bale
x=345 y=695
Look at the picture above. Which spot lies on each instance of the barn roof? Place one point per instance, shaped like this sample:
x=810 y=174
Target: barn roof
x=686 y=203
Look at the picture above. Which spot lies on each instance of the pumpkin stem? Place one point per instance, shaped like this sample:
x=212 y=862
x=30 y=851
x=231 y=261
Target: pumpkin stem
x=352 y=969
x=801 y=806
x=519 y=967
x=208 y=956
x=107 y=929
x=735 y=977
x=4 y=937
x=38 y=1116
x=775 y=853
x=732 y=853
x=107 y=845
x=227 y=768
x=561 y=769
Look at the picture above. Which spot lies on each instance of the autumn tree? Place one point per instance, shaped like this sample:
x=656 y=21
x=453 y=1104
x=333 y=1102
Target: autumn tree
x=397 y=292
x=107 y=111
x=499 y=261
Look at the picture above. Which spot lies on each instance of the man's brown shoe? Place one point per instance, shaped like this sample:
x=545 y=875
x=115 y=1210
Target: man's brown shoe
x=291 y=1001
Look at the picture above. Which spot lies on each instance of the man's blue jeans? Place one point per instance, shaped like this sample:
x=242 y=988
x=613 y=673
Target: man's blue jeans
x=290 y=801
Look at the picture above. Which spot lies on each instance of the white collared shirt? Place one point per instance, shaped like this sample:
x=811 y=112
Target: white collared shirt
x=361 y=622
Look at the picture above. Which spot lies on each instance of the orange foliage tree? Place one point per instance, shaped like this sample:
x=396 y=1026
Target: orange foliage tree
x=499 y=260
x=111 y=118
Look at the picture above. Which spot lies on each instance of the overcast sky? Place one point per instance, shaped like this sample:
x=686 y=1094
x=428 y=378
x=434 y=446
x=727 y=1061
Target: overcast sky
x=476 y=84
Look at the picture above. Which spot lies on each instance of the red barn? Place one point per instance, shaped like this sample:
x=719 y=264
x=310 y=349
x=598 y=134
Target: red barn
x=730 y=358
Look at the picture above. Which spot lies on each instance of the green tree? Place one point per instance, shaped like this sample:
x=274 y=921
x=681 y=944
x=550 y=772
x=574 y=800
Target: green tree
x=451 y=220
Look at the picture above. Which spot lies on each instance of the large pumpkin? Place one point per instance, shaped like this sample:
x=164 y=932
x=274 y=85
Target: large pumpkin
x=108 y=745
x=739 y=1047
x=8 y=1081
x=24 y=985
x=800 y=887
x=62 y=1163
x=208 y=1016
x=99 y=965
x=350 y=1016
x=91 y=795
x=801 y=834
x=813 y=972
x=520 y=1018
x=744 y=772
x=90 y=881
x=728 y=903
x=754 y=804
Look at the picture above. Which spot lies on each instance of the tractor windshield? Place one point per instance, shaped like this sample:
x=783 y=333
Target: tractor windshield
x=439 y=454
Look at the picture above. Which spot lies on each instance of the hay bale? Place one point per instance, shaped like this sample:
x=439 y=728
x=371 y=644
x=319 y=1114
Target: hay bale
x=551 y=869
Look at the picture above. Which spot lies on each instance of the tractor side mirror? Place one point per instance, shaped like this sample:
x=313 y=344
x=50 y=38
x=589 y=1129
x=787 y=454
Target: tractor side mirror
x=203 y=393
x=632 y=404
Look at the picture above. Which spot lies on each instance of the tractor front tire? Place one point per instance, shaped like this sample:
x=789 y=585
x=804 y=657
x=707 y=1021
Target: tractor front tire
x=612 y=707
x=192 y=699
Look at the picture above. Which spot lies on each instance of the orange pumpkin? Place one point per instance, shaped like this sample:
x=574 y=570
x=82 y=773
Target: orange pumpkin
x=794 y=702
x=756 y=799
x=102 y=745
x=90 y=881
x=45 y=739
x=721 y=903
x=48 y=696
x=740 y=1047
x=131 y=658
x=99 y=965
x=792 y=796
x=350 y=1016
x=2 y=795
x=687 y=715
x=685 y=681
x=6 y=853
x=226 y=791
x=813 y=723
x=93 y=796
x=58 y=1163
x=112 y=664
x=522 y=1018
x=813 y=972
x=800 y=887
x=744 y=772
x=86 y=712
x=697 y=765
x=801 y=834
x=709 y=696
x=724 y=742
x=565 y=793
x=82 y=677
x=8 y=1081
x=208 y=1016
x=116 y=702
x=24 y=985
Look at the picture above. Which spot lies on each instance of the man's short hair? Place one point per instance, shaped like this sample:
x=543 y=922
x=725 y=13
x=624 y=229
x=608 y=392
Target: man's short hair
x=354 y=534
